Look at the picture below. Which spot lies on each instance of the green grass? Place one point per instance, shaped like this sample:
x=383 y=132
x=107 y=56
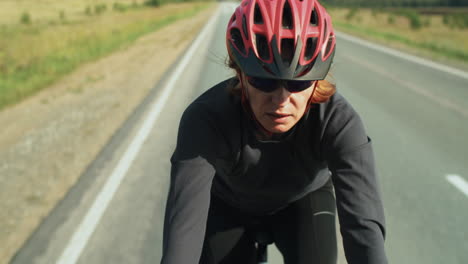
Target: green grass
x=21 y=77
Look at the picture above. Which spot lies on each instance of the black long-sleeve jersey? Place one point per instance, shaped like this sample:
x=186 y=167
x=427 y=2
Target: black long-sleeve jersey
x=218 y=154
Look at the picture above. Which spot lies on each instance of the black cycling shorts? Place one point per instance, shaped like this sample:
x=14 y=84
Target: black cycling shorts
x=304 y=231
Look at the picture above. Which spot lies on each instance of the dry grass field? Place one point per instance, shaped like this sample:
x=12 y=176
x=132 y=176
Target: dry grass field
x=60 y=35
x=48 y=11
x=434 y=39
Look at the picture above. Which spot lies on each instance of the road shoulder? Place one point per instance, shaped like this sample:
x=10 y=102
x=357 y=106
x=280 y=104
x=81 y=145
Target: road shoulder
x=48 y=140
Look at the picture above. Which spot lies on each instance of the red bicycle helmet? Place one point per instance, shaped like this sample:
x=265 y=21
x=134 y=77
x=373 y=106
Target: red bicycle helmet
x=281 y=39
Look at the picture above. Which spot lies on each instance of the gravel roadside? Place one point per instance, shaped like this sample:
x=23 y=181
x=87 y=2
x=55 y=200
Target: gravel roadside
x=48 y=140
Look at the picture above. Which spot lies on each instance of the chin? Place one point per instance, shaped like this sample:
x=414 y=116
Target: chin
x=278 y=129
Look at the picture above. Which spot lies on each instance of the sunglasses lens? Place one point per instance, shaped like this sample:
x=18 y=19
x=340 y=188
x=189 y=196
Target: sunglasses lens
x=298 y=86
x=269 y=85
x=263 y=84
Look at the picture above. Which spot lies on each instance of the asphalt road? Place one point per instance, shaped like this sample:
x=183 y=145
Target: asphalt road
x=416 y=115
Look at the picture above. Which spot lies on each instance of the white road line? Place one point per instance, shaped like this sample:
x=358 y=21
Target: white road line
x=458 y=182
x=405 y=56
x=81 y=236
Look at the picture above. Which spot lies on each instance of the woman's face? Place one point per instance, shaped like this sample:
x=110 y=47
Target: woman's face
x=280 y=110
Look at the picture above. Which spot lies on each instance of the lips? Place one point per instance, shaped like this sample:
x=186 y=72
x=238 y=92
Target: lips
x=278 y=118
x=278 y=115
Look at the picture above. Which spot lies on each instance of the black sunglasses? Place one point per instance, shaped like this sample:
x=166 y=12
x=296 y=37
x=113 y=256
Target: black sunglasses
x=269 y=85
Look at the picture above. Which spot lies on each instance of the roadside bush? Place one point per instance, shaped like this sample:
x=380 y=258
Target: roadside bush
x=351 y=14
x=459 y=20
x=98 y=9
x=413 y=17
x=391 y=19
x=88 y=11
x=25 y=18
x=62 y=15
x=446 y=20
x=154 y=3
x=463 y=20
x=120 y=7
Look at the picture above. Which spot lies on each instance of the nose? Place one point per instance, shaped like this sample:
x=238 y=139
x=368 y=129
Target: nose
x=280 y=96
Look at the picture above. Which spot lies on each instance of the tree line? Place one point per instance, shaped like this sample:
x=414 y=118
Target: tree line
x=398 y=3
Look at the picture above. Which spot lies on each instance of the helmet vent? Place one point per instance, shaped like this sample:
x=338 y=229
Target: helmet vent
x=305 y=69
x=329 y=45
x=314 y=18
x=311 y=45
x=258 y=18
x=287 y=20
x=325 y=28
x=244 y=27
x=237 y=39
x=262 y=47
x=287 y=50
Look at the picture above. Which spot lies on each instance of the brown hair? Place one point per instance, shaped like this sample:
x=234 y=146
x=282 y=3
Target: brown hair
x=324 y=90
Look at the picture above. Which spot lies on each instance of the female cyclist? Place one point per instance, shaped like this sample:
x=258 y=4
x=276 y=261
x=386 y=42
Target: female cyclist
x=273 y=146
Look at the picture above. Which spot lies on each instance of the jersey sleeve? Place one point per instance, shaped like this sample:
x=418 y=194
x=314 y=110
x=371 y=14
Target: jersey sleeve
x=192 y=173
x=360 y=210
